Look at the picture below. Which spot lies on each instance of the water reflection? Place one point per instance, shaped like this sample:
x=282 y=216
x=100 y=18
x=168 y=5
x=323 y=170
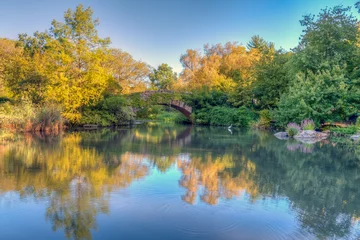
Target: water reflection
x=77 y=172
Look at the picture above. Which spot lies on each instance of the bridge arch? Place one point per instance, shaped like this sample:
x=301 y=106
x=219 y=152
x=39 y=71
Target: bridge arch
x=161 y=97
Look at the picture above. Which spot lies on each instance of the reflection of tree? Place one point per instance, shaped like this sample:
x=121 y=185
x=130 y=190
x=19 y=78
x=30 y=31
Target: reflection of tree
x=77 y=172
x=76 y=180
x=216 y=181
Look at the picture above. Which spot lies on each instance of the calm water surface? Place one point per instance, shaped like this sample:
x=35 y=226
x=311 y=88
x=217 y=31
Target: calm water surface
x=177 y=182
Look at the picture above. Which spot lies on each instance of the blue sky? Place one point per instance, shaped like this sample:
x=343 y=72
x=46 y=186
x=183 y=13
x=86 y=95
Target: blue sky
x=159 y=31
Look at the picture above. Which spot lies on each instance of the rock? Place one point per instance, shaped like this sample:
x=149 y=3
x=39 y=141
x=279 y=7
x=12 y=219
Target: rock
x=281 y=135
x=355 y=137
x=311 y=136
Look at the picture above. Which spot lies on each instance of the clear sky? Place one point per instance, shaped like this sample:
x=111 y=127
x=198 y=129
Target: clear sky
x=159 y=31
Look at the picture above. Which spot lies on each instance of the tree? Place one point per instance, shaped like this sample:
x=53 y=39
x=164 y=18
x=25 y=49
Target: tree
x=322 y=97
x=8 y=54
x=222 y=67
x=65 y=64
x=264 y=47
x=272 y=80
x=163 y=77
x=129 y=75
x=329 y=40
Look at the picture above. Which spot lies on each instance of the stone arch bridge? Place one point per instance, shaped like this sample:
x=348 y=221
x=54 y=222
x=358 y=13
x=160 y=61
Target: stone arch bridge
x=160 y=97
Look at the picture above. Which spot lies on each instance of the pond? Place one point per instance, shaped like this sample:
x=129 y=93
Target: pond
x=178 y=182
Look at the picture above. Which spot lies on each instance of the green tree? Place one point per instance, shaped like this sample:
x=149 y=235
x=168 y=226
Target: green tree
x=163 y=77
x=328 y=40
x=321 y=97
x=272 y=80
x=259 y=43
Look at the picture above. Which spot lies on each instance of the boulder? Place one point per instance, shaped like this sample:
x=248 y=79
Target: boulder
x=355 y=137
x=311 y=136
x=281 y=135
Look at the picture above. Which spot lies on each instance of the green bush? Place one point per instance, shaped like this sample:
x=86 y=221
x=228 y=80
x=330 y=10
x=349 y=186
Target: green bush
x=345 y=130
x=225 y=116
x=205 y=98
x=202 y=117
x=111 y=111
x=323 y=97
x=292 y=129
x=172 y=117
x=149 y=112
x=358 y=122
x=264 y=121
x=307 y=124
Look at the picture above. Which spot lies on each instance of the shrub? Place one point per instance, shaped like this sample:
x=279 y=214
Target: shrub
x=265 y=120
x=202 y=117
x=17 y=116
x=308 y=124
x=111 y=111
x=167 y=117
x=25 y=116
x=222 y=116
x=149 y=112
x=225 y=116
x=323 y=97
x=292 y=129
x=358 y=122
x=47 y=119
x=243 y=117
x=345 y=130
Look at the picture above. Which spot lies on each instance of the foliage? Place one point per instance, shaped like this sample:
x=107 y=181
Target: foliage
x=205 y=98
x=217 y=66
x=329 y=40
x=149 y=112
x=17 y=116
x=66 y=64
x=129 y=75
x=322 y=97
x=111 y=111
x=48 y=117
x=345 y=130
x=72 y=67
x=292 y=129
x=8 y=52
x=163 y=77
x=272 y=80
x=307 y=124
x=25 y=116
x=171 y=117
x=264 y=121
x=225 y=116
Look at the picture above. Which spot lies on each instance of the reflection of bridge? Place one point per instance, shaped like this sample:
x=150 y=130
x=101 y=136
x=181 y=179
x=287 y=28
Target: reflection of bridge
x=167 y=98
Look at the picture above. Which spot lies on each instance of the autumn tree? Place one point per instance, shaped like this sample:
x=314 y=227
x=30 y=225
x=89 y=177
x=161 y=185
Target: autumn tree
x=8 y=53
x=129 y=75
x=65 y=64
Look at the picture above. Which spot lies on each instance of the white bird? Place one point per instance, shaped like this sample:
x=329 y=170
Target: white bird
x=230 y=126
